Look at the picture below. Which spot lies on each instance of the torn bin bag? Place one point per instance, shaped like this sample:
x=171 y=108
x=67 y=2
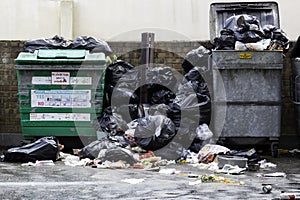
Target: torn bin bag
x=154 y=132
x=46 y=148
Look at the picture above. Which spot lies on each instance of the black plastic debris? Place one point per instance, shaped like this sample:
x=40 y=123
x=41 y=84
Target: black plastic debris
x=92 y=44
x=295 y=53
x=154 y=132
x=196 y=58
x=226 y=41
x=58 y=42
x=46 y=148
x=247 y=29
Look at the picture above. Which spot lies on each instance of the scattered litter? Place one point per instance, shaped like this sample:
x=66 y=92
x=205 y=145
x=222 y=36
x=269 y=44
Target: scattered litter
x=264 y=164
x=231 y=160
x=289 y=195
x=229 y=169
x=133 y=180
x=195 y=182
x=168 y=171
x=209 y=151
x=72 y=160
x=267 y=188
x=294 y=151
x=193 y=175
x=39 y=163
x=275 y=174
x=213 y=166
x=118 y=165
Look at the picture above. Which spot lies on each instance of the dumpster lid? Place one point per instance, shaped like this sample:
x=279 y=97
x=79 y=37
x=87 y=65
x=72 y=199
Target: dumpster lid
x=266 y=13
x=60 y=56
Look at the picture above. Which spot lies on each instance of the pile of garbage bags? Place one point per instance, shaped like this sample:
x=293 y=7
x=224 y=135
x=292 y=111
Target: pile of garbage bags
x=58 y=42
x=244 y=32
x=155 y=108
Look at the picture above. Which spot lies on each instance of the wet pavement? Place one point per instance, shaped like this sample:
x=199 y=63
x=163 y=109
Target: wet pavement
x=66 y=182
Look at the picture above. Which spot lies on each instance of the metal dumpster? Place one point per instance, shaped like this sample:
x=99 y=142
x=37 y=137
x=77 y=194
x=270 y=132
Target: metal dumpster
x=246 y=84
x=296 y=90
x=60 y=92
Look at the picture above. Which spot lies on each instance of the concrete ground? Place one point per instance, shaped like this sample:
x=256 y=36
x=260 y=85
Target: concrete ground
x=66 y=182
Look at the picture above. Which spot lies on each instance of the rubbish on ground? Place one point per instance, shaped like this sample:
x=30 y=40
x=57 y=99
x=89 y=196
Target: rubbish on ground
x=193 y=175
x=218 y=179
x=133 y=180
x=118 y=165
x=39 y=163
x=138 y=166
x=46 y=148
x=275 y=174
x=289 y=195
x=213 y=166
x=195 y=182
x=253 y=166
x=231 y=160
x=264 y=164
x=267 y=188
x=72 y=160
x=168 y=171
x=203 y=132
x=295 y=151
x=229 y=169
x=209 y=151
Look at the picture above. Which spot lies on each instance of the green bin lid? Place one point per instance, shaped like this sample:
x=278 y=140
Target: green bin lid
x=60 y=56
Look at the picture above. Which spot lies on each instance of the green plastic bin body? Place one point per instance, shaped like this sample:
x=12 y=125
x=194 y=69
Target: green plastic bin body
x=60 y=92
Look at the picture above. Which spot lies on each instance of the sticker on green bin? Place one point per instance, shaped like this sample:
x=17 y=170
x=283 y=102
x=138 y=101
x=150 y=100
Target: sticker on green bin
x=61 y=98
x=47 y=80
x=60 y=117
x=60 y=78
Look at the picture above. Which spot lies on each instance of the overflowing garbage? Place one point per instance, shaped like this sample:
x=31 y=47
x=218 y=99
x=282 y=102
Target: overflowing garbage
x=244 y=32
x=58 y=42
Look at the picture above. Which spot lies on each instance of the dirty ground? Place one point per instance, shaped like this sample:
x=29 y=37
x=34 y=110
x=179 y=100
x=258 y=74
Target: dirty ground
x=177 y=181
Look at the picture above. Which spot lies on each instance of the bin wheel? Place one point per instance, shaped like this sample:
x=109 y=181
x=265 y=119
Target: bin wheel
x=274 y=149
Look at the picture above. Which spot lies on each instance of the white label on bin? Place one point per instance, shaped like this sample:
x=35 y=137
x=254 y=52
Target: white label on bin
x=47 y=80
x=60 y=78
x=60 y=117
x=61 y=98
x=41 y=80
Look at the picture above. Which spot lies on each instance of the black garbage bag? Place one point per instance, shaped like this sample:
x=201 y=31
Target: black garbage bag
x=226 y=41
x=247 y=28
x=278 y=38
x=296 y=50
x=113 y=73
x=111 y=149
x=92 y=44
x=56 y=42
x=196 y=58
x=46 y=148
x=154 y=132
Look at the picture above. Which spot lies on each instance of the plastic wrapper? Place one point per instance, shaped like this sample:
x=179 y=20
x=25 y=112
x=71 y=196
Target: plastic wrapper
x=208 y=153
x=46 y=148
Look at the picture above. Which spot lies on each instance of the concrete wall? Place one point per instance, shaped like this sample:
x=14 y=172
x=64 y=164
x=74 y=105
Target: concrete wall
x=120 y=20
